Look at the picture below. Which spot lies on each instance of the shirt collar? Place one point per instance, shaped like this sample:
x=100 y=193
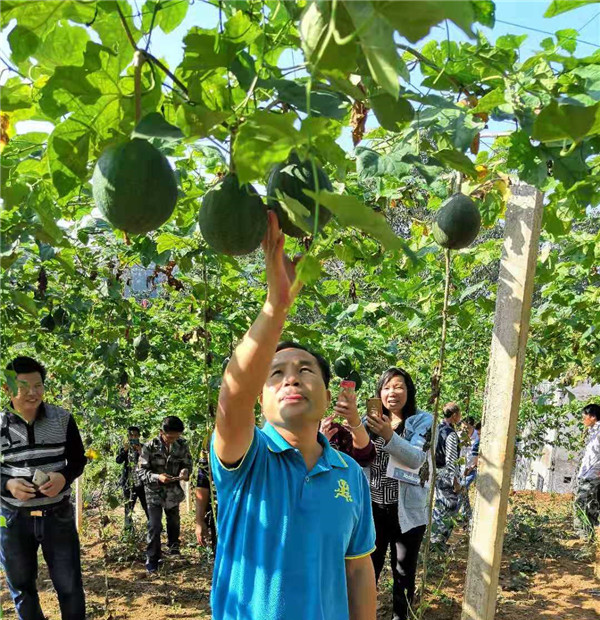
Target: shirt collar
x=329 y=459
x=13 y=416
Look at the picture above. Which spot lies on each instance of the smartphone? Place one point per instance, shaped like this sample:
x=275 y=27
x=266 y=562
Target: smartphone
x=39 y=478
x=375 y=407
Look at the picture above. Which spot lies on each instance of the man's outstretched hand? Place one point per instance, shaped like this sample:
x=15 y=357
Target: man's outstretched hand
x=281 y=271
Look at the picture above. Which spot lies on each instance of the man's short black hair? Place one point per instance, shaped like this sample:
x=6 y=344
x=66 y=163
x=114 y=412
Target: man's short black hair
x=24 y=365
x=450 y=409
x=323 y=363
x=134 y=429
x=592 y=410
x=478 y=426
x=470 y=420
x=172 y=424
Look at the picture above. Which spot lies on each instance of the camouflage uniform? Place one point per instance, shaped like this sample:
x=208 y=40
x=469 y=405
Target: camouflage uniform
x=156 y=460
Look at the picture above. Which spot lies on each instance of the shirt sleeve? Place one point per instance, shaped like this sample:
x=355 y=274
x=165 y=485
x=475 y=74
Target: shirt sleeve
x=74 y=453
x=226 y=478
x=145 y=473
x=362 y=541
x=452 y=454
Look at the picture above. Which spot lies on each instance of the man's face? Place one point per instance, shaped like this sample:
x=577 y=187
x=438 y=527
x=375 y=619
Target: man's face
x=30 y=393
x=170 y=438
x=456 y=418
x=133 y=435
x=294 y=390
x=588 y=420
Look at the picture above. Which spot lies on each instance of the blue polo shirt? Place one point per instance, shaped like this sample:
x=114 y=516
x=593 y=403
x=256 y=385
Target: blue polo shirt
x=285 y=533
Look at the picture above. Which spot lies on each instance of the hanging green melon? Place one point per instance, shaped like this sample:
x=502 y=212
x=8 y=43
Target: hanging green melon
x=134 y=186
x=233 y=218
x=457 y=222
x=291 y=178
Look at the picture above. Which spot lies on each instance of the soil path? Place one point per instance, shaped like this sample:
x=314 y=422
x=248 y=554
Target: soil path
x=546 y=574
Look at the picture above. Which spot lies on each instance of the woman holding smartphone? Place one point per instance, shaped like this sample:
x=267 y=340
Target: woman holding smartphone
x=398 y=480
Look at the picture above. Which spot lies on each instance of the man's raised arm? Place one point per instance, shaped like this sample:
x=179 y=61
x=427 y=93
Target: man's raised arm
x=247 y=371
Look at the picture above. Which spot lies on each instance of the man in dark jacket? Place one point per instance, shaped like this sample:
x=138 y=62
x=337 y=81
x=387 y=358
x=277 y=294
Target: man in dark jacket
x=164 y=462
x=133 y=487
x=41 y=455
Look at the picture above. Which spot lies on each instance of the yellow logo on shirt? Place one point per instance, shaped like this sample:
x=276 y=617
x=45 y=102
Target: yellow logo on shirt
x=343 y=490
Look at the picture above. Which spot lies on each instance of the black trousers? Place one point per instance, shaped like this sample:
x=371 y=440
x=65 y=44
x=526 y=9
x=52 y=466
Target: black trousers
x=131 y=495
x=153 y=550
x=404 y=554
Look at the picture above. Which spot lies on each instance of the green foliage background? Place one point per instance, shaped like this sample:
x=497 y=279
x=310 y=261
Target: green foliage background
x=374 y=297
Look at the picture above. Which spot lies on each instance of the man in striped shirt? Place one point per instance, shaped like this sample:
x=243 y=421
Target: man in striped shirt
x=35 y=435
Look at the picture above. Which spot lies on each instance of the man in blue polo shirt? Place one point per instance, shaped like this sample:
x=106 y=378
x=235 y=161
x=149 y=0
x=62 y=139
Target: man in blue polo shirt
x=295 y=524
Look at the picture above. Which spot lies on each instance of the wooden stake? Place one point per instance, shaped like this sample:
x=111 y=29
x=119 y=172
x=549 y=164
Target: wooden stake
x=78 y=503
x=502 y=400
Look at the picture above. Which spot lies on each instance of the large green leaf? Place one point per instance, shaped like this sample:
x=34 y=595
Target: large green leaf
x=350 y=211
x=457 y=160
x=63 y=45
x=41 y=15
x=376 y=38
x=25 y=302
x=562 y=6
x=206 y=50
x=198 y=121
x=169 y=15
x=392 y=114
x=68 y=155
x=323 y=102
x=566 y=122
x=490 y=101
x=263 y=140
x=23 y=43
x=414 y=20
x=154 y=125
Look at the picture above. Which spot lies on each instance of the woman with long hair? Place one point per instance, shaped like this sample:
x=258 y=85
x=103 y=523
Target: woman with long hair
x=398 y=480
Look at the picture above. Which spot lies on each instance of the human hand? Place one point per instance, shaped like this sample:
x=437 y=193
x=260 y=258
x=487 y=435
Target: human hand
x=381 y=426
x=164 y=478
x=126 y=445
x=345 y=407
x=327 y=427
x=138 y=448
x=281 y=271
x=202 y=533
x=55 y=485
x=20 y=489
x=457 y=486
x=184 y=474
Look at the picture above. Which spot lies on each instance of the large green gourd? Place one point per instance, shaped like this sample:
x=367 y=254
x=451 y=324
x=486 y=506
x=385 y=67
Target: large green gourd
x=233 y=218
x=134 y=186
x=291 y=178
x=457 y=222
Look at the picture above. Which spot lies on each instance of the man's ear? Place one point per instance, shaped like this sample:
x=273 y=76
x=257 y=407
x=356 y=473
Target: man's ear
x=328 y=397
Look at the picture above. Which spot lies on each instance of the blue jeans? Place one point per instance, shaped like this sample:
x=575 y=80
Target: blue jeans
x=19 y=543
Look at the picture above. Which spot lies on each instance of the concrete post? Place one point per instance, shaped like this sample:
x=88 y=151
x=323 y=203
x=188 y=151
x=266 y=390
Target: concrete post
x=502 y=400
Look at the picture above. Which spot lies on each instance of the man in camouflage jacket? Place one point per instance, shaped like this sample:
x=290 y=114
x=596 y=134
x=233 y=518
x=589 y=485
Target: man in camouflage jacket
x=164 y=462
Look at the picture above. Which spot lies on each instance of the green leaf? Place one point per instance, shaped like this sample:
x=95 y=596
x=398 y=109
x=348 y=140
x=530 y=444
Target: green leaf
x=350 y=211
x=198 y=121
x=244 y=69
x=169 y=241
x=308 y=269
x=560 y=122
x=23 y=43
x=205 y=50
x=296 y=211
x=170 y=14
x=562 y=6
x=414 y=20
x=263 y=140
x=392 y=114
x=322 y=102
x=63 y=45
x=567 y=39
x=510 y=41
x=376 y=38
x=490 y=101
x=52 y=231
x=68 y=155
x=457 y=160
x=241 y=30
x=25 y=302
x=154 y=125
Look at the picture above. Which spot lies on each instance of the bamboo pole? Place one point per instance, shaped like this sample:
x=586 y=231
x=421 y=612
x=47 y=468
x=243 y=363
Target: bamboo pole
x=502 y=400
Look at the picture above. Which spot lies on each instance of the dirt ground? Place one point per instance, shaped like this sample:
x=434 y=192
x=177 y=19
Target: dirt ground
x=546 y=573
